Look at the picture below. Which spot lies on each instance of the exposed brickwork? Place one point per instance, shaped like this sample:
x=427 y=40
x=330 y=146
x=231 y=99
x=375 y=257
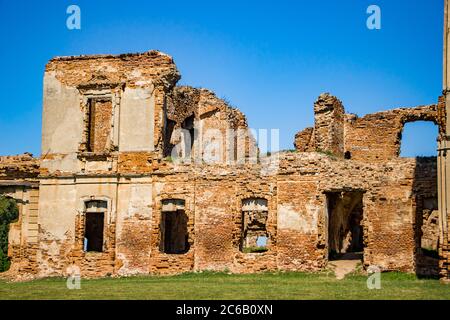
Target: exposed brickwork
x=304 y=140
x=374 y=137
x=19 y=167
x=100 y=125
x=377 y=137
x=342 y=155
x=329 y=125
x=131 y=69
x=131 y=162
x=207 y=112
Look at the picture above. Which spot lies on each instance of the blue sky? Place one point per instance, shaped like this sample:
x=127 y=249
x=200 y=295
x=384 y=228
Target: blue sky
x=271 y=59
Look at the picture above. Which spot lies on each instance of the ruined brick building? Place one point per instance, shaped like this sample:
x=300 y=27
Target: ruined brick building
x=107 y=196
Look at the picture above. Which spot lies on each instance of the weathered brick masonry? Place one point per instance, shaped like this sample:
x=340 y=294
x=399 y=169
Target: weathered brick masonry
x=112 y=199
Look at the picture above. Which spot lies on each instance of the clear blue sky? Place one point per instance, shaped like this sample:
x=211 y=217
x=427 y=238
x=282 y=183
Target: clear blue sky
x=271 y=59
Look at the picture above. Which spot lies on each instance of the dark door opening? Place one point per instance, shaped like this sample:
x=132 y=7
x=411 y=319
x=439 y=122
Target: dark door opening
x=345 y=231
x=174 y=232
x=94 y=231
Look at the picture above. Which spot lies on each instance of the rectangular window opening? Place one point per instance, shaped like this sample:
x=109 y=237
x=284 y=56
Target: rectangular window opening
x=255 y=237
x=94 y=225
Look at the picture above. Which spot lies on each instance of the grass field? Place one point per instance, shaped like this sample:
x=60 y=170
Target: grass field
x=226 y=286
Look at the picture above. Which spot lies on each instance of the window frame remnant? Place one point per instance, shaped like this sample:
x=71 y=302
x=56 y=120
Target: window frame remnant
x=110 y=92
x=93 y=129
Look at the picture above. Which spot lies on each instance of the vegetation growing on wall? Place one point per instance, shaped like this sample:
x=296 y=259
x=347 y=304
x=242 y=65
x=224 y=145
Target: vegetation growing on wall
x=8 y=213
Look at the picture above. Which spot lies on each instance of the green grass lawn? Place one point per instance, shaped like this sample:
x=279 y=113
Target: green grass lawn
x=225 y=286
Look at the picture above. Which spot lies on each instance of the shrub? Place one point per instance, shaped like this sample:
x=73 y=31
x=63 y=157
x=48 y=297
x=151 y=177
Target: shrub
x=8 y=213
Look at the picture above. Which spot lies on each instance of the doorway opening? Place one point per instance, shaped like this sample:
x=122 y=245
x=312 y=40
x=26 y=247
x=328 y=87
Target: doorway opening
x=345 y=230
x=174 y=227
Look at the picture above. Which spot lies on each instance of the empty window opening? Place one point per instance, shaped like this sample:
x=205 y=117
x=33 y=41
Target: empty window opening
x=170 y=126
x=347 y=155
x=94 y=225
x=174 y=227
x=189 y=135
x=345 y=231
x=418 y=139
x=99 y=124
x=254 y=225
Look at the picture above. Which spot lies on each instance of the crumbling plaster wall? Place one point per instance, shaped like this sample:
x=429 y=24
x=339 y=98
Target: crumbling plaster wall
x=18 y=180
x=134 y=178
x=19 y=168
x=133 y=225
x=297 y=219
x=297 y=222
x=61 y=222
x=137 y=84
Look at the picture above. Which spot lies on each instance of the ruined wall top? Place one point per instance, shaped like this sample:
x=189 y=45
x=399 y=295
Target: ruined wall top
x=185 y=101
x=136 y=70
x=329 y=124
x=201 y=111
x=23 y=166
x=373 y=137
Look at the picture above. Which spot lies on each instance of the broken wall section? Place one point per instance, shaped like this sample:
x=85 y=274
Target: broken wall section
x=206 y=128
x=23 y=166
x=304 y=140
x=97 y=107
x=329 y=125
x=375 y=137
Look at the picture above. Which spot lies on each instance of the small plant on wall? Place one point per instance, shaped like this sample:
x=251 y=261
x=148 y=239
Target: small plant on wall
x=8 y=213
